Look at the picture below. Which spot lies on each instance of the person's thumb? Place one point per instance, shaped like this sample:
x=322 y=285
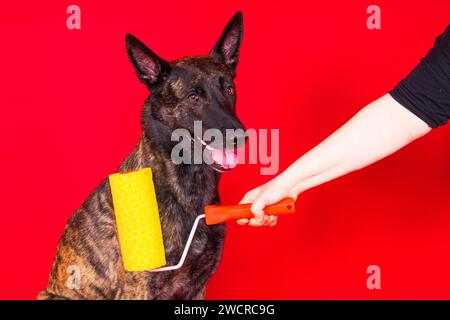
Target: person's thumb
x=257 y=208
x=250 y=196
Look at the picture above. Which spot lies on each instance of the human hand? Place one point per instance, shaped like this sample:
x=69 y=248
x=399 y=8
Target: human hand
x=269 y=193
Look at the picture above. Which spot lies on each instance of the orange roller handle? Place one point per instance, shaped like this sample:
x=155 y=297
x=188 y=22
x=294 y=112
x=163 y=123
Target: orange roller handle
x=215 y=214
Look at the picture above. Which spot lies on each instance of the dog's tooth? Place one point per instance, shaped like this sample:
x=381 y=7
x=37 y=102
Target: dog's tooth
x=203 y=143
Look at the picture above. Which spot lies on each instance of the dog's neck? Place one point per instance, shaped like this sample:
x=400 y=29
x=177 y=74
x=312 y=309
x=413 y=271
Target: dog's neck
x=196 y=184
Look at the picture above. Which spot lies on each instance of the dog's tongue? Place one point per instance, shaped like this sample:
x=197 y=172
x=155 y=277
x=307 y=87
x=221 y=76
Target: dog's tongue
x=227 y=158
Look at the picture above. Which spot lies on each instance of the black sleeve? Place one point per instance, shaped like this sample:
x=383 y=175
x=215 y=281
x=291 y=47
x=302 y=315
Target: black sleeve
x=426 y=90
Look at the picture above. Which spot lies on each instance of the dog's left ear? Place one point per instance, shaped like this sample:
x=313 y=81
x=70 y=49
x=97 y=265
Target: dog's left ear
x=226 y=50
x=150 y=68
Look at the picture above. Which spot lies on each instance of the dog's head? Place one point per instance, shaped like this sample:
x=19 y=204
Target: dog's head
x=191 y=89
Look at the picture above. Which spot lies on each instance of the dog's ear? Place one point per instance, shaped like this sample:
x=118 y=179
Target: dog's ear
x=226 y=50
x=150 y=68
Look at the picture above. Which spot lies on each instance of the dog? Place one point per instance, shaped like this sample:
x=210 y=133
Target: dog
x=196 y=88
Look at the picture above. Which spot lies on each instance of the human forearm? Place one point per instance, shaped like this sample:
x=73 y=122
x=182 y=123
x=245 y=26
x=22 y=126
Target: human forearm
x=376 y=131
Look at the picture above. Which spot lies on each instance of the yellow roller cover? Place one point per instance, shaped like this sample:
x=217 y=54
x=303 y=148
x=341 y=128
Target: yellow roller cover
x=137 y=220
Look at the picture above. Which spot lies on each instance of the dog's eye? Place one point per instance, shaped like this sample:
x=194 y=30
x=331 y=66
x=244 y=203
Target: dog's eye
x=193 y=97
x=230 y=90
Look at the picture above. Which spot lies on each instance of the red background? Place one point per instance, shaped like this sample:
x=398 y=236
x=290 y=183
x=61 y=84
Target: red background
x=70 y=105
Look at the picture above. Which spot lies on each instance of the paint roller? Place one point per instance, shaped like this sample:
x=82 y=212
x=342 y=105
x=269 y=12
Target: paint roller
x=139 y=227
x=137 y=220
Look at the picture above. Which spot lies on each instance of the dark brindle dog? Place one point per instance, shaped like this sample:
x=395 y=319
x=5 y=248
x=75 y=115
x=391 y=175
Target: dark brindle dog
x=182 y=91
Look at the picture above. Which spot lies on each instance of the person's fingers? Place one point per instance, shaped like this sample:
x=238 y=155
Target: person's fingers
x=269 y=221
x=260 y=198
x=242 y=222
x=272 y=221
x=257 y=209
x=253 y=222
x=265 y=220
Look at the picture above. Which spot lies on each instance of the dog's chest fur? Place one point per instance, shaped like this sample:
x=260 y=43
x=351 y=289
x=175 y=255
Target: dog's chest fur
x=182 y=193
x=90 y=239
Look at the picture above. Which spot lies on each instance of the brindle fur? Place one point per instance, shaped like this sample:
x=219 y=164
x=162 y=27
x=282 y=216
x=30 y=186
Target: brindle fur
x=89 y=240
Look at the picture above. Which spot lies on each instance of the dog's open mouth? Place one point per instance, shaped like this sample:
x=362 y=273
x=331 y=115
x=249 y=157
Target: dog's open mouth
x=220 y=159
